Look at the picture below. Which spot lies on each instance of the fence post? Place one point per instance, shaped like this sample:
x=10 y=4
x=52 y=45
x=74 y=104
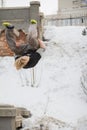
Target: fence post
x=34 y=10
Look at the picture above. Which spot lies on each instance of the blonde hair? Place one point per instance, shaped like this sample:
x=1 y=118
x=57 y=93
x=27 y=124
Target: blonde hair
x=21 y=62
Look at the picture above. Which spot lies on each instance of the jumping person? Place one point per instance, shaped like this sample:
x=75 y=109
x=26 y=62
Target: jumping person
x=27 y=55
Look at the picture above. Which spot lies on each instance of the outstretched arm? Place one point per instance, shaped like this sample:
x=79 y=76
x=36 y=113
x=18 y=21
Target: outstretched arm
x=41 y=44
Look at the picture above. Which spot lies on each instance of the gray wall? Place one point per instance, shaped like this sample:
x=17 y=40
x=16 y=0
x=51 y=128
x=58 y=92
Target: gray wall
x=20 y=17
x=14 y=14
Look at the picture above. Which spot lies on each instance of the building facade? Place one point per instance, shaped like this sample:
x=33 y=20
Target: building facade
x=70 y=12
x=71 y=4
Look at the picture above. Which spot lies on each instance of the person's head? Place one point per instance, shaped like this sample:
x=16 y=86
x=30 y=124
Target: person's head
x=33 y=21
x=21 y=62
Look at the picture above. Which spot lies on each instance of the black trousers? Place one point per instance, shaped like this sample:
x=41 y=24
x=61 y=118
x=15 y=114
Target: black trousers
x=34 y=59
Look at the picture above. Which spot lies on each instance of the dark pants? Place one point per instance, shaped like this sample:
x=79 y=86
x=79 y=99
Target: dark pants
x=34 y=59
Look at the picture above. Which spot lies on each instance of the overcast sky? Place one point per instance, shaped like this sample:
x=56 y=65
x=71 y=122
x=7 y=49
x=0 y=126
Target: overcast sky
x=47 y=6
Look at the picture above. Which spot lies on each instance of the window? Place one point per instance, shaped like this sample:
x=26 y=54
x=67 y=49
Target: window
x=83 y=3
x=75 y=2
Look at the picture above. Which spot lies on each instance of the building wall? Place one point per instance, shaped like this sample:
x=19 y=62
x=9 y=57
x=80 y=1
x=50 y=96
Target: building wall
x=71 y=4
x=64 y=4
x=71 y=12
x=14 y=14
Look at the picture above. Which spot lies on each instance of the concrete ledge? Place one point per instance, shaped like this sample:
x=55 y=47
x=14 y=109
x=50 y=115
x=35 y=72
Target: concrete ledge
x=24 y=112
x=6 y=106
x=11 y=117
x=7 y=117
x=7 y=112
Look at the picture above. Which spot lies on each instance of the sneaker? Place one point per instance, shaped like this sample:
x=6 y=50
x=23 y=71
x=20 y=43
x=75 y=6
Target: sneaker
x=8 y=25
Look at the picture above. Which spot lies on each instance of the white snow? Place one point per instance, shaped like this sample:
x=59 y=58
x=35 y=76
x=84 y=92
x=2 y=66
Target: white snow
x=58 y=101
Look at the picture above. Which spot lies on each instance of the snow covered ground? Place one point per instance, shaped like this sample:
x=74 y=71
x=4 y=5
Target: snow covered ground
x=59 y=102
